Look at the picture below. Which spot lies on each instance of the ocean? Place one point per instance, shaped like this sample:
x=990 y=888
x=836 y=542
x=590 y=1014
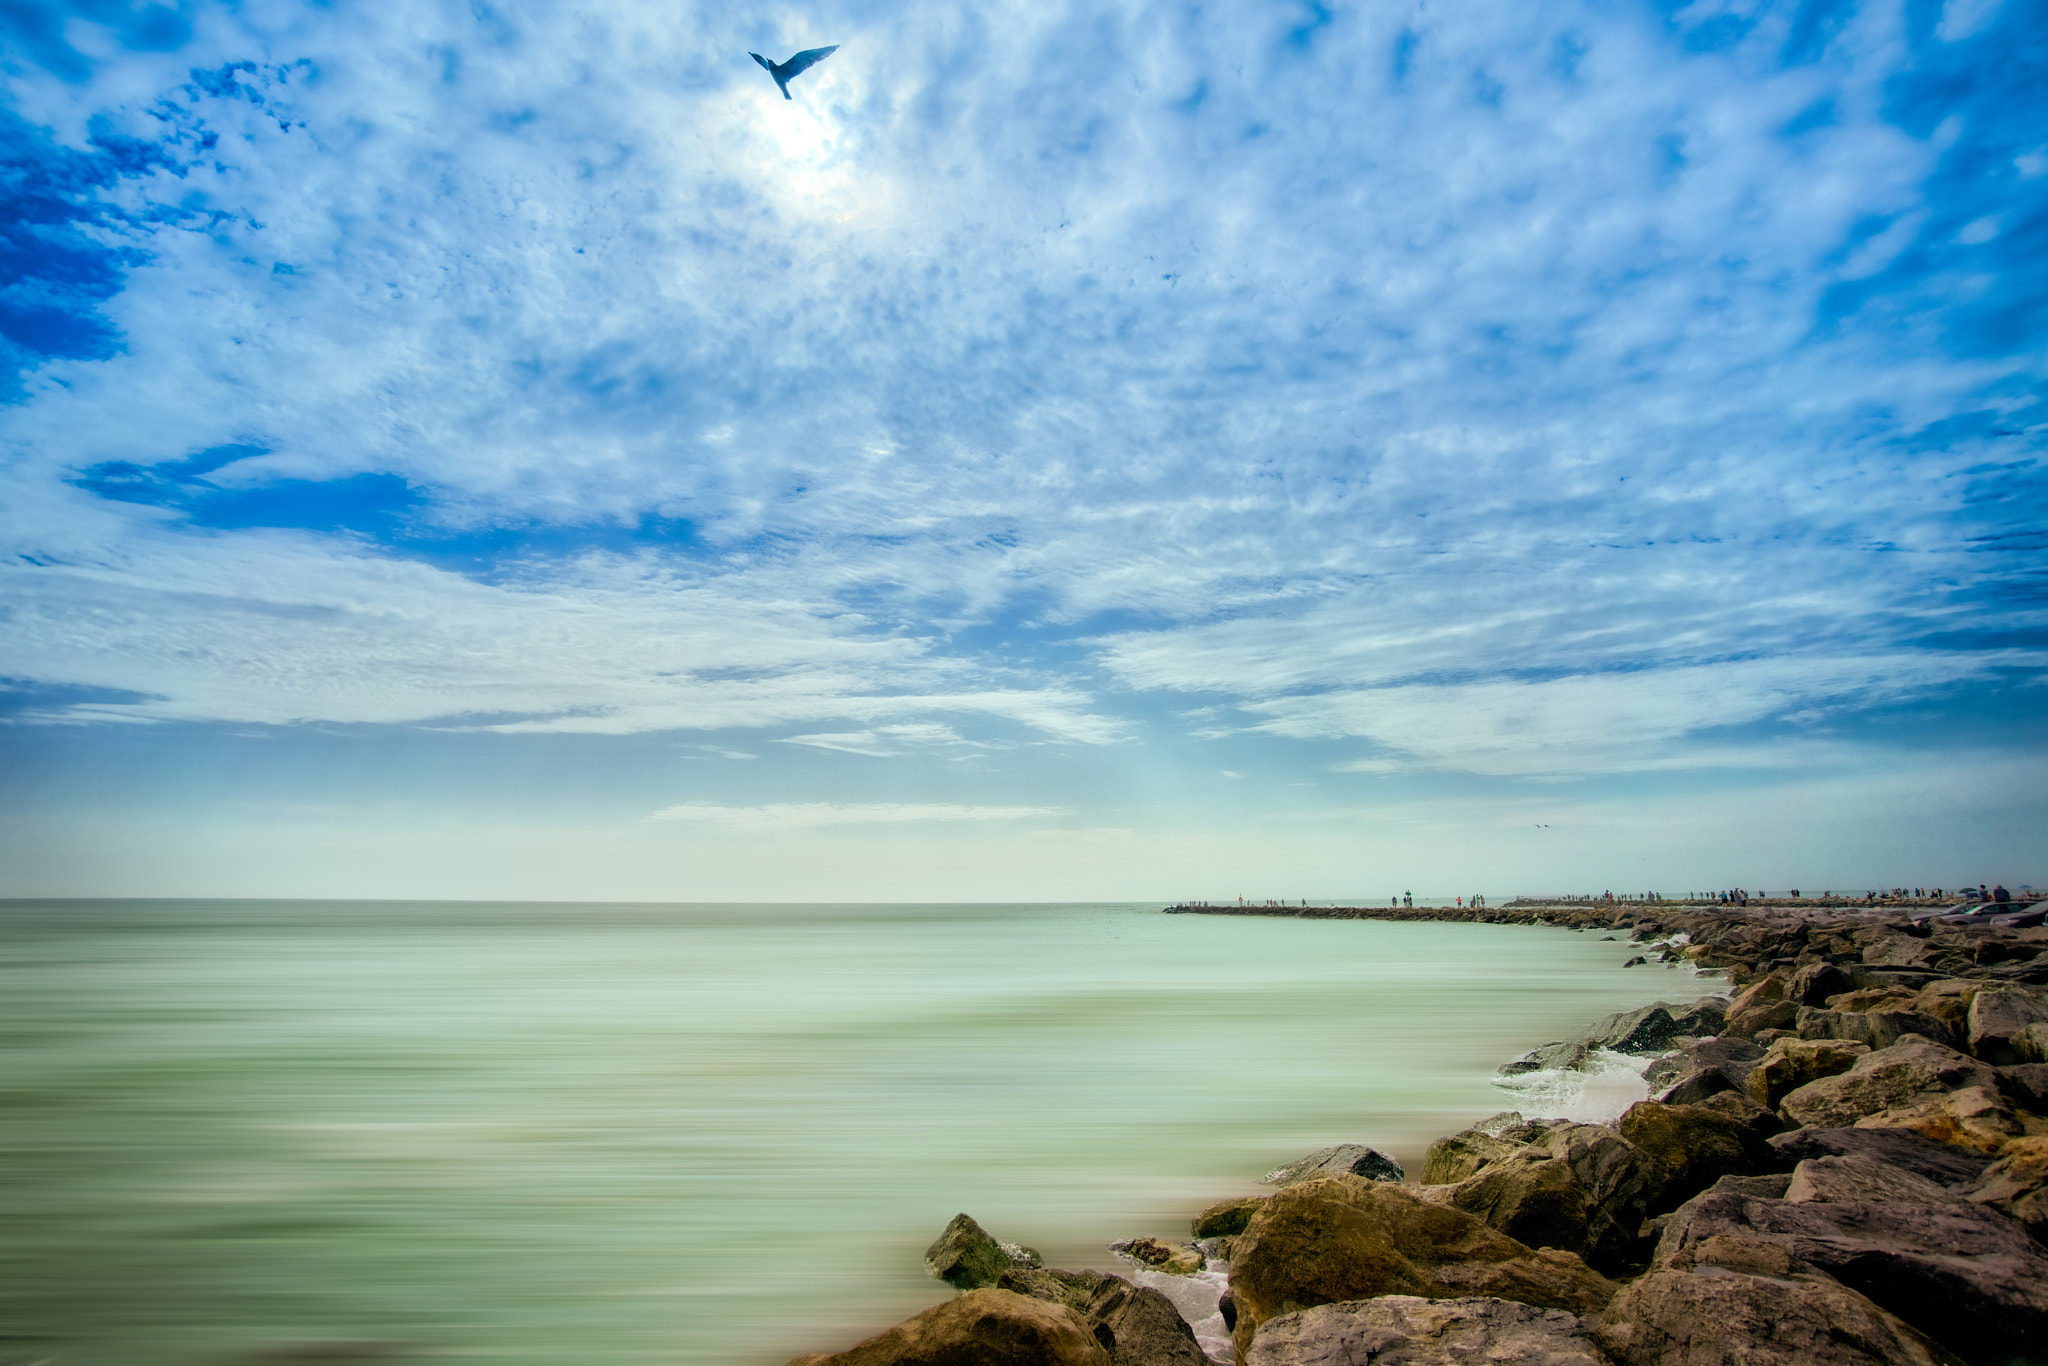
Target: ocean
x=544 y=1134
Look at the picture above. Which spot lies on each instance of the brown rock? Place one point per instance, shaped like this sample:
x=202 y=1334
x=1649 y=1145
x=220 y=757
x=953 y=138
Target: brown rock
x=1699 y=1068
x=1762 y=1005
x=1346 y=1238
x=1815 y=982
x=1967 y=1277
x=1178 y=1259
x=985 y=1327
x=1345 y=1159
x=1137 y=1324
x=2014 y=1185
x=1877 y=1028
x=1915 y=1084
x=1738 y=1106
x=1226 y=1217
x=1693 y=1146
x=1872 y=998
x=1840 y=1180
x=1763 y=1310
x=1942 y=1163
x=2026 y=1085
x=1456 y=1156
x=1998 y=1016
x=1580 y=1187
x=1899 y=951
x=1948 y=1001
x=965 y=1257
x=1792 y=1063
x=1404 y=1330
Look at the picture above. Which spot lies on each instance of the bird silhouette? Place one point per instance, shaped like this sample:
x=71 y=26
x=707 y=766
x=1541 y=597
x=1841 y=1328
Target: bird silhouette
x=795 y=66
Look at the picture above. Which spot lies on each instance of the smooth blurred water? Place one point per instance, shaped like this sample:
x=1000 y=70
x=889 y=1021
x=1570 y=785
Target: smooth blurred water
x=605 y=1134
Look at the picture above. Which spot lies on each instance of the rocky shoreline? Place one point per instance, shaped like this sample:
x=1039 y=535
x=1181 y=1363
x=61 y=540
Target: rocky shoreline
x=1843 y=1164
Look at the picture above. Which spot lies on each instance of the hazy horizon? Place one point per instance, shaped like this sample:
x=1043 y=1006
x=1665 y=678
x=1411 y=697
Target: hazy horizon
x=1064 y=452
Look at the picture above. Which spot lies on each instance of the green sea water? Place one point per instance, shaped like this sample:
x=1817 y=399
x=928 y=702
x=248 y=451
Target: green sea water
x=241 y=1132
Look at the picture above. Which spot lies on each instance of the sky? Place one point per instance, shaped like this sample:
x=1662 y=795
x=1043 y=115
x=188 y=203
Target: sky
x=1068 y=451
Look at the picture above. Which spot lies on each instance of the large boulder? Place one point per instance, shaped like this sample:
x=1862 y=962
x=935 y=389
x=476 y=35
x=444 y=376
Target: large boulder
x=1914 y=1084
x=1580 y=1187
x=1964 y=1275
x=1875 y=1028
x=2014 y=1185
x=1405 y=1330
x=1456 y=1156
x=1138 y=1325
x=1813 y=984
x=1948 y=1000
x=2026 y=1085
x=1999 y=1016
x=1942 y=1163
x=1345 y=1159
x=1762 y=1005
x=1699 y=1068
x=1693 y=1148
x=1346 y=1238
x=985 y=1327
x=966 y=1258
x=1733 y=1302
x=1791 y=1063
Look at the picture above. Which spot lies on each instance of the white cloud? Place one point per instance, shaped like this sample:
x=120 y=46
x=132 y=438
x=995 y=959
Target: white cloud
x=778 y=816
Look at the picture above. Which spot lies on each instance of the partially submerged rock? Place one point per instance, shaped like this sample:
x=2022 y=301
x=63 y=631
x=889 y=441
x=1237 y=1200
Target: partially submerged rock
x=1139 y=1326
x=1648 y=1029
x=987 y=1327
x=1345 y=1159
x=966 y=1258
x=1699 y=1068
x=1457 y=1156
x=1179 y=1259
x=1345 y=1238
x=1405 y=1330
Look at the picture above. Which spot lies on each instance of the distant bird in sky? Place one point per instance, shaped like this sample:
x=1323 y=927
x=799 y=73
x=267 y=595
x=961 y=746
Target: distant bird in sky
x=795 y=66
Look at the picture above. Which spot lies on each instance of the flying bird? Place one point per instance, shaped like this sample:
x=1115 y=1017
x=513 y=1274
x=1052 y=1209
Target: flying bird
x=795 y=66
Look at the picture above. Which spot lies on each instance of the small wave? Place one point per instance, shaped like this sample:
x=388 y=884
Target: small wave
x=1199 y=1299
x=1609 y=1086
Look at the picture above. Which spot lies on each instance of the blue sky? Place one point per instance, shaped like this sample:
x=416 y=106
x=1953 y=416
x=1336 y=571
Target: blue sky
x=1067 y=451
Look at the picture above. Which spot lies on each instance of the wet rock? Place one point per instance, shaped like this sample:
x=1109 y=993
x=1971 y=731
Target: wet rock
x=1942 y=1163
x=1405 y=1330
x=965 y=1257
x=1580 y=1187
x=1914 y=1084
x=1226 y=1217
x=1814 y=983
x=1345 y=1238
x=1693 y=1148
x=1177 y=1259
x=1791 y=1063
x=988 y=1327
x=1998 y=1017
x=1699 y=1019
x=1650 y=1029
x=1346 y=1159
x=1635 y=962
x=2013 y=1185
x=1139 y=1326
x=1964 y=1275
x=1751 y=1304
x=1699 y=1068
x=1457 y=1156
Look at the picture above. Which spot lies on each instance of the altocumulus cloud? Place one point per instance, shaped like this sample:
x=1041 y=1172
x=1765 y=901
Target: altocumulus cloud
x=1510 y=389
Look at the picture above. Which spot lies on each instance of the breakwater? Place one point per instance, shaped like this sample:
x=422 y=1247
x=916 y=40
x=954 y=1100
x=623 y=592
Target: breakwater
x=1846 y=1164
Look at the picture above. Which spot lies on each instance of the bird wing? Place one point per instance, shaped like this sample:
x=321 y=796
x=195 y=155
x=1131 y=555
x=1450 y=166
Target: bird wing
x=763 y=61
x=804 y=61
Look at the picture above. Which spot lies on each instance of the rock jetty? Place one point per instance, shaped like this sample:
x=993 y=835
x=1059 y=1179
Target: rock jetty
x=1842 y=1165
